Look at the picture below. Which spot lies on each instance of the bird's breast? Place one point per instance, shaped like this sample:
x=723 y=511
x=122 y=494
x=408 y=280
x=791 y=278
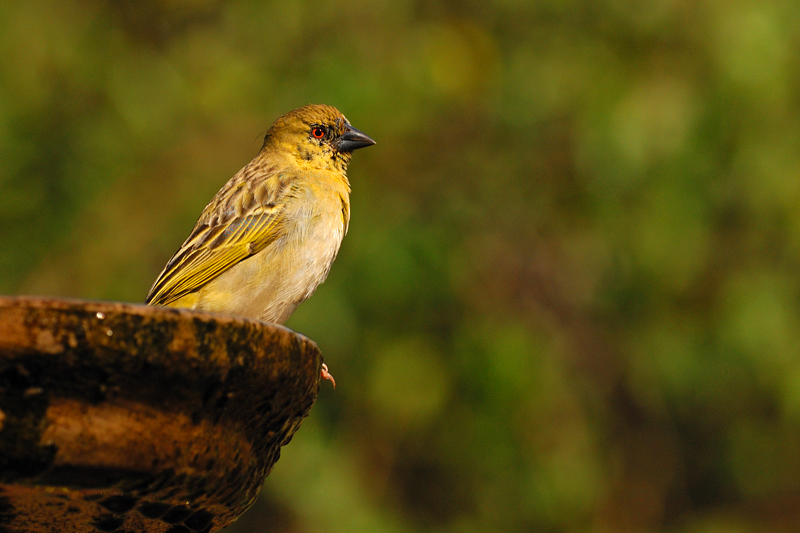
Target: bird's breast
x=272 y=283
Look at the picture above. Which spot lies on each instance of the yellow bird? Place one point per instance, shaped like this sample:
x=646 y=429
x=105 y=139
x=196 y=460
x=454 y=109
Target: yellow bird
x=268 y=238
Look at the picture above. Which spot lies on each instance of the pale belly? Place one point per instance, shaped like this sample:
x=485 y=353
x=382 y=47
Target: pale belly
x=271 y=284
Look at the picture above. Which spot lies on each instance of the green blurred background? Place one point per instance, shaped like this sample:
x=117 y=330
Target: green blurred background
x=569 y=298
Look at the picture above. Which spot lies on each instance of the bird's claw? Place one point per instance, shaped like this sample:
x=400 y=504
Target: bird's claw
x=327 y=375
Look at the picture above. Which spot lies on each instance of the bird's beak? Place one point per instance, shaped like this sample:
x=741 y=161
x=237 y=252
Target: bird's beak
x=353 y=139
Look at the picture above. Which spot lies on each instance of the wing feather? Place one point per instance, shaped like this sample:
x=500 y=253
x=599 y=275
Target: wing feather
x=217 y=243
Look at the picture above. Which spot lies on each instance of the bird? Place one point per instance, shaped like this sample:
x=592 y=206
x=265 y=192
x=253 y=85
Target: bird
x=268 y=238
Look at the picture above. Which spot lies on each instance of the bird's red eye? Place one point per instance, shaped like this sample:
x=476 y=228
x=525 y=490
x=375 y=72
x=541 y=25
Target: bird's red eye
x=318 y=132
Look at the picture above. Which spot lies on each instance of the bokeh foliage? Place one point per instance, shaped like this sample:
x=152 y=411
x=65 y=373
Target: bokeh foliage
x=569 y=298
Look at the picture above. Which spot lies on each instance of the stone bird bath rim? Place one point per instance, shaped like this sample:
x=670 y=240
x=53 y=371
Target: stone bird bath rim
x=123 y=417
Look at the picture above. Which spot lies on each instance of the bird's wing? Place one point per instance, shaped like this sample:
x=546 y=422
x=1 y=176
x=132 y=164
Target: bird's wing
x=219 y=242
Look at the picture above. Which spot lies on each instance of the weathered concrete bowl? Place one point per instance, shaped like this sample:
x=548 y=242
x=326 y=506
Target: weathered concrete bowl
x=117 y=417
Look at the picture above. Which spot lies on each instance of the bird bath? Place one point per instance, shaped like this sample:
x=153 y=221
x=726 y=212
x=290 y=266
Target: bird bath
x=118 y=417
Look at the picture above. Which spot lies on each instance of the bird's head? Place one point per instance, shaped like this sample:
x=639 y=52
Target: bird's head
x=318 y=136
